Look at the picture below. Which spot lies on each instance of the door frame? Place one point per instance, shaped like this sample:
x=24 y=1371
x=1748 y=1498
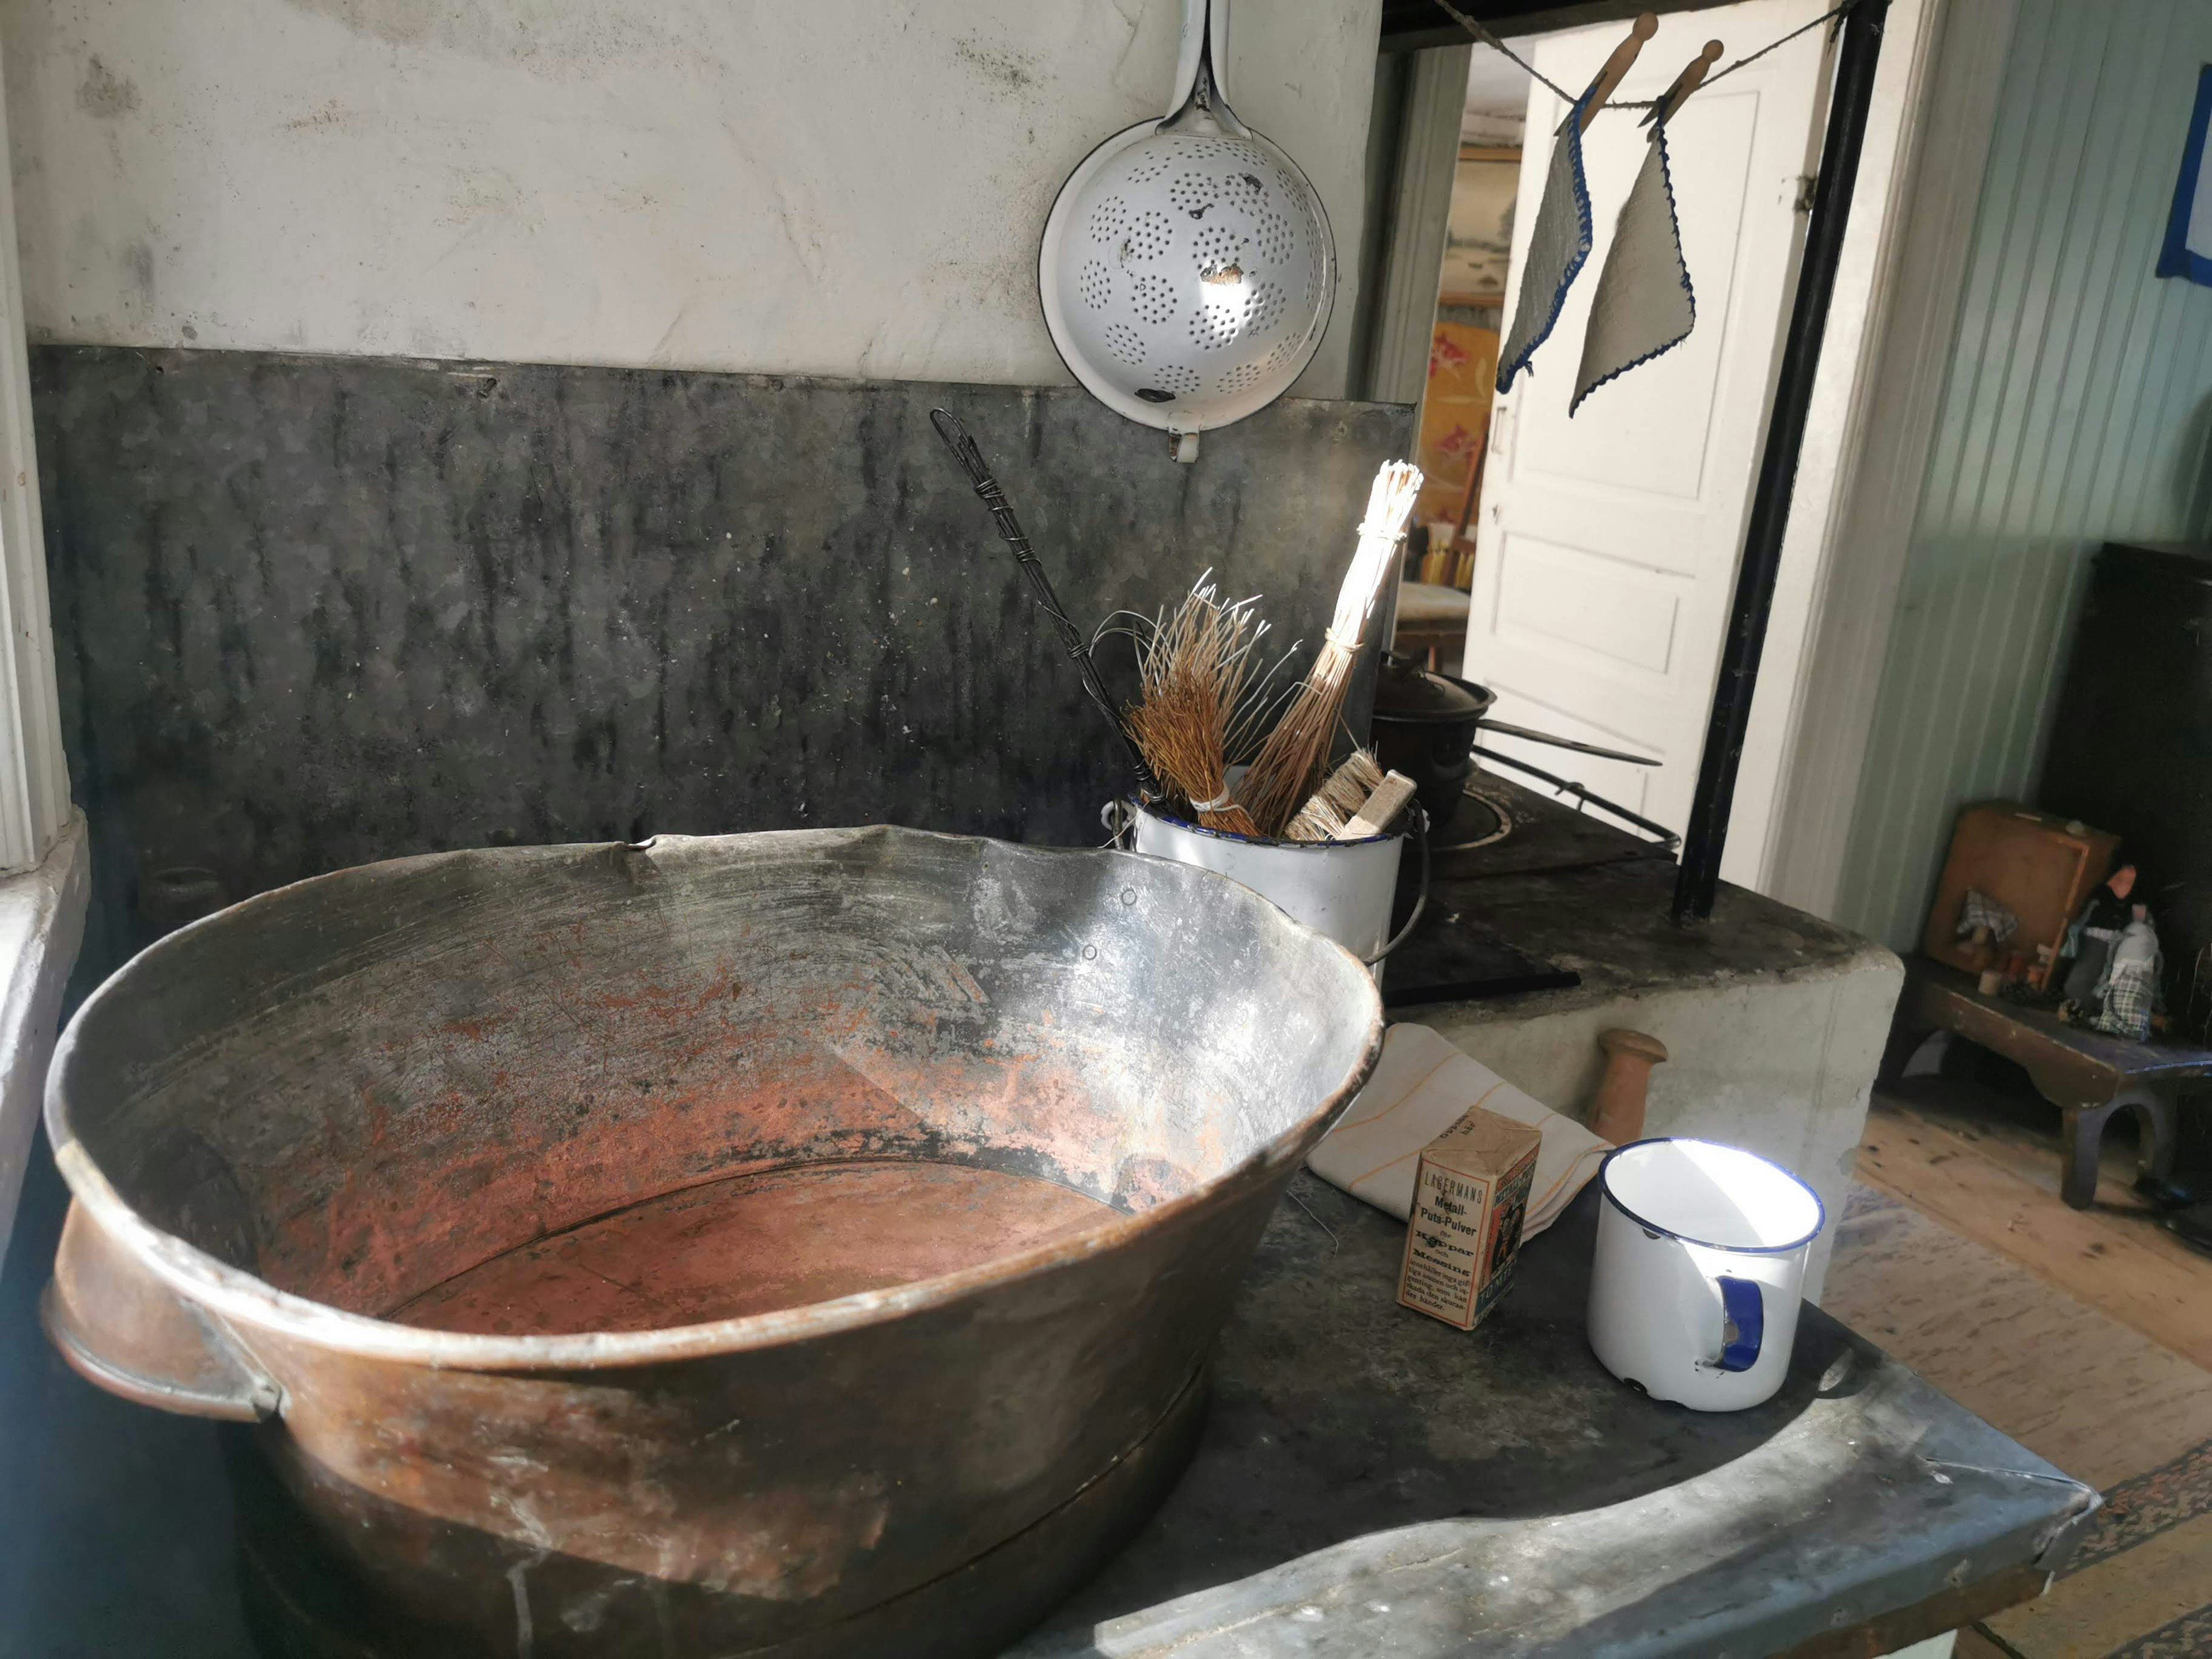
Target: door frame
x=1748 y=364
x=1876 y=399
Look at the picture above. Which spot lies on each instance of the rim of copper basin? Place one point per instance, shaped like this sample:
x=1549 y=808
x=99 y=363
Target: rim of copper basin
x=252 y=1301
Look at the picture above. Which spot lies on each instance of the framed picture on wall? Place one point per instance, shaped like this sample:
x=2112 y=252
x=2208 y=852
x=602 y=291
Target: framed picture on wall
x=2187 y=250
x=1478 y=239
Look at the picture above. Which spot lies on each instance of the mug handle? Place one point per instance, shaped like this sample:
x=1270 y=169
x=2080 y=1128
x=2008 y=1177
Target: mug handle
x=1746 y=1309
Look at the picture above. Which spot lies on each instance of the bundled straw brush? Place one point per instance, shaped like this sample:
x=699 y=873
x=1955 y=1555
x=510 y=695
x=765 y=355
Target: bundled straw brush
x=1202 y=704
x=1290 y=763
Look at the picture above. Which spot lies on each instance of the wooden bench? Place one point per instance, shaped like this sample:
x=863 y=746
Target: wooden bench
x=2086 y=1074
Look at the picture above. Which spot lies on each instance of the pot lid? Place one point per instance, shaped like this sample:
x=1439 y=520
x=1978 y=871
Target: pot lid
x=1408 y=690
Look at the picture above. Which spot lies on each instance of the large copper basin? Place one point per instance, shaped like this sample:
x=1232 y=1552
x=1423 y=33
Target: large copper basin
x=805 y=1243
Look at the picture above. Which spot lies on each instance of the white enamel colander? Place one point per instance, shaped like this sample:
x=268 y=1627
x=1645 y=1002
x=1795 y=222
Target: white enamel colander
x=1188 y=270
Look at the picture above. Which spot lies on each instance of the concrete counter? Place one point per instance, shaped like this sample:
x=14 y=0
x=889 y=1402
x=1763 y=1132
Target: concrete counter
x=1372 y=1482
x=1774 y=1020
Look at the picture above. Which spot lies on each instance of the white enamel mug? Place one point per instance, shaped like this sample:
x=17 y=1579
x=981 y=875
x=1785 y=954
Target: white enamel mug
x=1700 y=1267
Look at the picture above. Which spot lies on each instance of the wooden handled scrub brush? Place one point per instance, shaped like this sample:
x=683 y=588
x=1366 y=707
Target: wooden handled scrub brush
x=1338 y=799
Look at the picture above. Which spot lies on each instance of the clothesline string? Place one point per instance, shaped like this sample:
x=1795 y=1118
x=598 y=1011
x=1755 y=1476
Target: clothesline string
x=1482 y=34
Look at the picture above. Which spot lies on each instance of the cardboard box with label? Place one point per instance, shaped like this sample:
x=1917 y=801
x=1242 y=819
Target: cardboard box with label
x=1470 y=1195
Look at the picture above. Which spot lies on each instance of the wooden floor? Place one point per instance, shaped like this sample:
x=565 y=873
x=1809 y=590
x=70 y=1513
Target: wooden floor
x=1959 y=1155
x=2086 y=1335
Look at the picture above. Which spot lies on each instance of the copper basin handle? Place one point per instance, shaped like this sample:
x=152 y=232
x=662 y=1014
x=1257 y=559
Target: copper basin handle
x=120 y=1327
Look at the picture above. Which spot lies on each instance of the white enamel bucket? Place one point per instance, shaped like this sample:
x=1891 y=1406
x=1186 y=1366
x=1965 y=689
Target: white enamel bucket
x=1340 y=888
x=1700 y=1269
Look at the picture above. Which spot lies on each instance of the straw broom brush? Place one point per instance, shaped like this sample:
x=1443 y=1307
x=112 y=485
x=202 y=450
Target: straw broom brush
x=1289 y=764
x=1199 y=701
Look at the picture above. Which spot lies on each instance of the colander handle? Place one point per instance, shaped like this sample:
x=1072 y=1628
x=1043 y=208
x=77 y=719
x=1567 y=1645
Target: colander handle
x=1204 y=34
x=122 y=1328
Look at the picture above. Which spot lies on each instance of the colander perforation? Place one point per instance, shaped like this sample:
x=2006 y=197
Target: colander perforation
x=1096 y=285
x=1192 y=192
x=1216 y=246
x=1271 y=235
x=1108 y=218
x=1155 y=299
x=1214 y=326
x=1125 y=343
x=1150 y=235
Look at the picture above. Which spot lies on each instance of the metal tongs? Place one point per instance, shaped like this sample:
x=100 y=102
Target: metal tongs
x=970 y=457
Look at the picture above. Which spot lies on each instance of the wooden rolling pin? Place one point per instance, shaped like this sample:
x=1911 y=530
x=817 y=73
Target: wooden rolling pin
x=1617 y=1114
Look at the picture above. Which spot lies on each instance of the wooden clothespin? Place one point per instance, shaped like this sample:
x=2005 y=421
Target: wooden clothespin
x=1617 y=65
x=1692 y=77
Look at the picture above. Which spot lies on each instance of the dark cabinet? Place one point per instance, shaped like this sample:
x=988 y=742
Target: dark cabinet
x=2131 y=738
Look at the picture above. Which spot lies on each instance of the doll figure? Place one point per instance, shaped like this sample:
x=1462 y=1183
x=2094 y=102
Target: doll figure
x=2090 y=939
x=2129 y=992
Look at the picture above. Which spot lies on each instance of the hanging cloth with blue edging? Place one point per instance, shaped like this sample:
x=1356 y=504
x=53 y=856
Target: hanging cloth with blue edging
x=1559 y=247
x=1644 y=305
x=1559 y=241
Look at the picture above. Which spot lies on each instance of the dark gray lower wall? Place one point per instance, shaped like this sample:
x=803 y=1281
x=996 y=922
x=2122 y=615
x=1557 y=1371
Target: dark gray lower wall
x=316 y=611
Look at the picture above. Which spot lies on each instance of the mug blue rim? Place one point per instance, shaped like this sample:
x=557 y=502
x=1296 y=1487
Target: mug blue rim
x=1820 y=1209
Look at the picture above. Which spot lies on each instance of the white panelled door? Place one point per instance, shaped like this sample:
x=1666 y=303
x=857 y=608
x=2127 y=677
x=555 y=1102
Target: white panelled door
x=1607 y=544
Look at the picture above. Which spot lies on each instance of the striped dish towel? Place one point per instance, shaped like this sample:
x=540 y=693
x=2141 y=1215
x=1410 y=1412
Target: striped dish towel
x=1423 y=1085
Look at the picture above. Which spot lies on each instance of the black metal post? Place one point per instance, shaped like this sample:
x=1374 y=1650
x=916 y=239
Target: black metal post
x=1700 y=875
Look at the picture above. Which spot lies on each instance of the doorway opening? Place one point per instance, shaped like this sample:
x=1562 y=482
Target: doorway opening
x=1581 y=565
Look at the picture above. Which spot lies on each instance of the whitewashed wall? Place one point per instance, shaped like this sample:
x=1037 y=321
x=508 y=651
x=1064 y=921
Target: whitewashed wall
x=846 y=187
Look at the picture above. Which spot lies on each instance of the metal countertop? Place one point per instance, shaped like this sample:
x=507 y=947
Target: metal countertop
x=1370 y=1481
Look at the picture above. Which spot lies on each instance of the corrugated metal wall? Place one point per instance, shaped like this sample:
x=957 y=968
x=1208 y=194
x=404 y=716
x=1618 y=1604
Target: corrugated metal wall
x=2077 y=410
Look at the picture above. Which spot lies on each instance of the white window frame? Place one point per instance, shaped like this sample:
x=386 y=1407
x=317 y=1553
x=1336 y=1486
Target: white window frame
x=35 y=790
x=45 y=873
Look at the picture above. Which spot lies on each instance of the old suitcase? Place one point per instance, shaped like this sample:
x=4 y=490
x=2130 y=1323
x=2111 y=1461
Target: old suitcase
x=2040 y=867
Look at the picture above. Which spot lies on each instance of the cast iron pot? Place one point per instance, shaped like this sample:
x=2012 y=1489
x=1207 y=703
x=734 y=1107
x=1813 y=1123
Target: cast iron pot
x=331 y=1105
x=1424 y=727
